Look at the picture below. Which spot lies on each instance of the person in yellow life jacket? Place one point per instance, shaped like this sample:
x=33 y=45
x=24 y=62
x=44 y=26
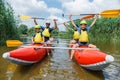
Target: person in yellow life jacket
x=37 y=37
x=74 y=31
x=47 y=30
x=83 y=30
x=75 y=35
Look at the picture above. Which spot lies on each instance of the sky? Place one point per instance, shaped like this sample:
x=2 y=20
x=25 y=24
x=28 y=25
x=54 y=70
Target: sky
x=53 y=9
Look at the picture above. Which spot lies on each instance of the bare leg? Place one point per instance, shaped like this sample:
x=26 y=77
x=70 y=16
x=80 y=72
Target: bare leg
x=72 y=42
x=72 y=52
x=49 y=51
x=46 y=45
x=91 y=46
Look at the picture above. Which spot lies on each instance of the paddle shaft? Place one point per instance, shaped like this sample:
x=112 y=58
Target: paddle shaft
x=41 y=18
x=67 y=21
x=60 y=48
x=90 y=14
x=52 y=43
x=29 y=17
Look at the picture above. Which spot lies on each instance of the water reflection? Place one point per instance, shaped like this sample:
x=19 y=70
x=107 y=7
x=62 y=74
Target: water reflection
x=85 y=74
x=10 y=71
x=59 y=67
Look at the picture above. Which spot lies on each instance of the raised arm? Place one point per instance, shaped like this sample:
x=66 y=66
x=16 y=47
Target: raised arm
x=55 y=24
x=35 y=21
x=74 y=25
x=66 y=25
x=96 y=17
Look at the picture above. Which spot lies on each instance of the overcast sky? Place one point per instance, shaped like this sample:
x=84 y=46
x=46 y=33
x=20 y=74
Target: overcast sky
x=54 y=8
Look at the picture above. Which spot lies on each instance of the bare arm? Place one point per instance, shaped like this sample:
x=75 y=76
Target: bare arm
x=43 y=38
x=96 y=17
x=55 y=24
x=32 y=40
x=66 y=25
x=72 y=21
x=35 y=21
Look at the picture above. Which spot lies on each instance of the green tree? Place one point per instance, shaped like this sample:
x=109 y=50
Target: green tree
x=8 y=24
x=31 y=31
x=23 y=29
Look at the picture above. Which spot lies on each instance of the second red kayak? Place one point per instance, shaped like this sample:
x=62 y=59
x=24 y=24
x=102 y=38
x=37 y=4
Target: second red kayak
x=93 y=59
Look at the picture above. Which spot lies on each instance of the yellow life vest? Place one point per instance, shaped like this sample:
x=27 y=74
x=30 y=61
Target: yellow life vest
x=76 y=35
x=38 y=38
x=46 y=32
x=83 y=36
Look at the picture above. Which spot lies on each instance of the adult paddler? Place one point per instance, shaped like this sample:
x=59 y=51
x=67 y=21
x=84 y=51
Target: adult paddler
x=75 y=32
x=83 y=30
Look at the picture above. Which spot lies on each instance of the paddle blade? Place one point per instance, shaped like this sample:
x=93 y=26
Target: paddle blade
x=87 y=17
x=110 y=13
x=13 y=43
x=25 y=17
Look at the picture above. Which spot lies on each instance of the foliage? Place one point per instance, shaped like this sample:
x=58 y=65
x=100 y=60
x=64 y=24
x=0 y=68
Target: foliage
x=23 y=29
x=8 y=27
x=106 y=29
x=31 y=31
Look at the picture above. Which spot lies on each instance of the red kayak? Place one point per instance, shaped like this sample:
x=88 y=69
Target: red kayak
x=92 y=59
x=26 y=56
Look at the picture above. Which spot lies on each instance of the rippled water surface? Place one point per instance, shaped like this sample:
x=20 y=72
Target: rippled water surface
x=59 y=67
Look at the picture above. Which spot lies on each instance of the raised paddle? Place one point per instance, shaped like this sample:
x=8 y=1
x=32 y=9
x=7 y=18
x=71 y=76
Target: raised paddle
x=29 y=17
x=105 y=14
x=67 y=21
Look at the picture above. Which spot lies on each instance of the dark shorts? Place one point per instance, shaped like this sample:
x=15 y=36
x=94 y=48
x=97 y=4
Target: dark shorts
x=46 y=39
x=76 y=40
x=83 y=43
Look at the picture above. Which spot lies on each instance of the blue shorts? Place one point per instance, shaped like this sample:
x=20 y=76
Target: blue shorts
x=46 y=39
x=76 y=40
x=83 y=43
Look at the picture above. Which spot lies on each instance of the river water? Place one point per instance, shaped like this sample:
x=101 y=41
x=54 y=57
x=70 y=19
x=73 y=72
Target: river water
x=59 y=66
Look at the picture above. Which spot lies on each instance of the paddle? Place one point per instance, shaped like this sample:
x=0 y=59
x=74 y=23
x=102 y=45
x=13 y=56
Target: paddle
x=17 y=43
x=65 y=48
x=28 y=17
x=13 y=43
x=67 y=21
x=87 y=17
x=104 y=14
